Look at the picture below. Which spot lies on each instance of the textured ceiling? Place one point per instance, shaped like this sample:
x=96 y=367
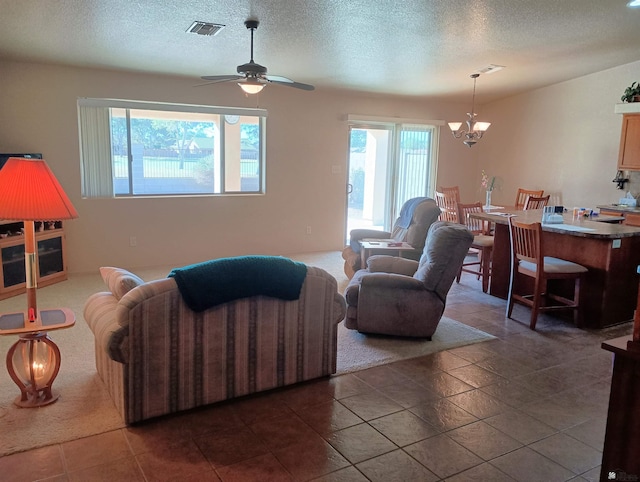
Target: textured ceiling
x=415 y=47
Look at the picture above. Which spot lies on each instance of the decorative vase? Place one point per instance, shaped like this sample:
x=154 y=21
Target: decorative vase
x=487 y=203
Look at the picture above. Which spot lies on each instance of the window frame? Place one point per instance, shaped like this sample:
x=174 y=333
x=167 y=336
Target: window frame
x=95 y=146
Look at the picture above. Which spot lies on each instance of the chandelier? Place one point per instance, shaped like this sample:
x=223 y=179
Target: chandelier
x=475 y=129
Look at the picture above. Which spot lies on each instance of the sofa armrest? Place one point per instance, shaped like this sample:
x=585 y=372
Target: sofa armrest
x=392 y=264
x=100 y=314
x=390 y=281
x=142 y=293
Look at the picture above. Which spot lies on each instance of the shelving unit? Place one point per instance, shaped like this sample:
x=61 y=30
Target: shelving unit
x=51 y=264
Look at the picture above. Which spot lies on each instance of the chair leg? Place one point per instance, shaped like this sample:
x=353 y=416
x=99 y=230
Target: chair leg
x=509 y=305
x=538 y=286
x=485 y=269
x=577 y=311
x=510 y=292
x=459 y=275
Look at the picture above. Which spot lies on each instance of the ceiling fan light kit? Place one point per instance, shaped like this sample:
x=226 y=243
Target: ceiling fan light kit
x=252 y=77
x=475 y=130
x=251 y=86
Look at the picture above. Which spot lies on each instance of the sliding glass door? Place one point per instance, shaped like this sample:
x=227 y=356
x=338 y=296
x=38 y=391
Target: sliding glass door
x=388 y=164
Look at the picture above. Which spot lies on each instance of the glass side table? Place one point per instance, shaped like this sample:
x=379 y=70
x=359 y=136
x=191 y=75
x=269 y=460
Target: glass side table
x=33 y=361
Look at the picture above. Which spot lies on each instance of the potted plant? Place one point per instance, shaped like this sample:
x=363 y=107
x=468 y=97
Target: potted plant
x=631 y=93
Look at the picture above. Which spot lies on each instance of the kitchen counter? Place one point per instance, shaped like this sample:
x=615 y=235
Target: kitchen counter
x=619 y=208
x=596 y=227
x=611 y=253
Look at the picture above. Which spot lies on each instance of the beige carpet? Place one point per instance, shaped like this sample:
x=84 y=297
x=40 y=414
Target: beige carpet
x=357 y=351
x=84 y=407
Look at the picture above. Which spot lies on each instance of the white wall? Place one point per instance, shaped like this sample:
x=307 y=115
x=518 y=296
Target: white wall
x=306 y=134
x=563 y=138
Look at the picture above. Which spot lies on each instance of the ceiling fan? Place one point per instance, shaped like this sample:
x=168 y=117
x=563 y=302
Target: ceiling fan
x=252 y=77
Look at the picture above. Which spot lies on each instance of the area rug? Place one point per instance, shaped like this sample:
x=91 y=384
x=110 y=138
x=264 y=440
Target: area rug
x=357 y=351
x=85 y=408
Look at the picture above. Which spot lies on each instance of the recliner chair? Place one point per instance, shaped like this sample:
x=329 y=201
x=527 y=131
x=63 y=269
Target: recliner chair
x=416 y=216
x=403 y=297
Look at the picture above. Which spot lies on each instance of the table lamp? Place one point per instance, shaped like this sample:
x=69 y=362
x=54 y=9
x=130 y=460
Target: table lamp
x=30 y=192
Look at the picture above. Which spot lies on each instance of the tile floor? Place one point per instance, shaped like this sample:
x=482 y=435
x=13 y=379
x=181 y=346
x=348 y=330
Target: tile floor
x=527 y=406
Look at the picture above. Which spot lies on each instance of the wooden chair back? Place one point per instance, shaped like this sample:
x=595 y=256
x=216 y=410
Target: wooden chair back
x=448 y=207
x=534 y=202
x=526 y=241
x=476 y=226
x=452 y=192
x=521 y=196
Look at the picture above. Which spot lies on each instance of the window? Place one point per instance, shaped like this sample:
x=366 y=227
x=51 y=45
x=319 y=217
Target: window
x=149 y=149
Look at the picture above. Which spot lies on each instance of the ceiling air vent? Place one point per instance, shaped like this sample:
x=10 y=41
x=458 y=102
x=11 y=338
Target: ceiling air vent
x=490 y=69
x=205 y=28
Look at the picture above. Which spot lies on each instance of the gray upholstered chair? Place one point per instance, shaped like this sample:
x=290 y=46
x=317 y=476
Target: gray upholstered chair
x=416 y=215
x=398 y=296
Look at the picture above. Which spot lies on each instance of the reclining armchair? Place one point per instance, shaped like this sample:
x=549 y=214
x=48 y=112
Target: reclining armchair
x=416 y=215
x=403 y=297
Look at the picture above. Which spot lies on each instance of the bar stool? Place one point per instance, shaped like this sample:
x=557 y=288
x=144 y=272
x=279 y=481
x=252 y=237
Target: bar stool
x=534 y=202
x=521 y=196
x=482 y=242
x=528 y=259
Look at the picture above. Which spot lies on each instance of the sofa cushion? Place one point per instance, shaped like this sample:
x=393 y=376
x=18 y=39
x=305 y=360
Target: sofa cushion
x=119 y=281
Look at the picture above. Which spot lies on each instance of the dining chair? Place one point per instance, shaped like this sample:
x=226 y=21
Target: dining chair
x=447 y=202
x=534 y=202
x=529 y=260
x=521 y=196
x=452 y=192
x=482 y=243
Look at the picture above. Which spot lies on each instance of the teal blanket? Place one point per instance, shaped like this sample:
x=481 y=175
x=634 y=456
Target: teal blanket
x=214 y=282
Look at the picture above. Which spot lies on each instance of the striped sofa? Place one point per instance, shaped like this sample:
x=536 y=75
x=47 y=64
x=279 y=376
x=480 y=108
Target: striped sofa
x=156 y=356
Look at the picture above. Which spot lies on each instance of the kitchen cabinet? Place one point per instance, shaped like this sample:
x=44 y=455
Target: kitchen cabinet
x=50 y=262
x=629 y=154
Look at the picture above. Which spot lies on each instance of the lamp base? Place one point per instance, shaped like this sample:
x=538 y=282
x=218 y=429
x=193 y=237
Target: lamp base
x=39 y=399
x=34 y=360
x=33 y=363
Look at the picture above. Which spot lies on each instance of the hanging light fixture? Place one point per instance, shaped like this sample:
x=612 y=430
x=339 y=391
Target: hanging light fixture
x=252 y=85
x=475 y=129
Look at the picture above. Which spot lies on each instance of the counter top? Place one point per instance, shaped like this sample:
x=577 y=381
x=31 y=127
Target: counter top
x=619 y=208
x=570 y=226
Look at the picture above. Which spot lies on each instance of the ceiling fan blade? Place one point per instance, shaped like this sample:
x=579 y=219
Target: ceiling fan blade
x=221 y=78
x=276 y=79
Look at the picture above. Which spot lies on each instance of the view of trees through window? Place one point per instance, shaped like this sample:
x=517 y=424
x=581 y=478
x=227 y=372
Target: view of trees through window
x=164 y=152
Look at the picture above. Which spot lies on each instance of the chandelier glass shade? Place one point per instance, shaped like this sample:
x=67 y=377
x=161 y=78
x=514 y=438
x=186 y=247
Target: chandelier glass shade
x=474 y=129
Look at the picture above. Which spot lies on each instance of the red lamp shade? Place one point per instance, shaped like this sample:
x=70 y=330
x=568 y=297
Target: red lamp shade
x=30 y=191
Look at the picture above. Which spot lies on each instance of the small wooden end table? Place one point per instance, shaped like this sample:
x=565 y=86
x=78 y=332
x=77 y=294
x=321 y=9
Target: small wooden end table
x=383 y=246
x=33 y=361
